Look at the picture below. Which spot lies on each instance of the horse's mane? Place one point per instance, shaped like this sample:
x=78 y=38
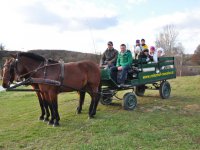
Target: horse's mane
x=36 y=57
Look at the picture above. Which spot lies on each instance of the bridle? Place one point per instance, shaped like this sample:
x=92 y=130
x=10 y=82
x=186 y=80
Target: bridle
x=13 y=70
x=15 y=73
x=43 y=65
x=10 y=70
x=29 y=74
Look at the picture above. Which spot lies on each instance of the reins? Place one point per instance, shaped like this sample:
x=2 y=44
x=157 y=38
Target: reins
x=37 y=69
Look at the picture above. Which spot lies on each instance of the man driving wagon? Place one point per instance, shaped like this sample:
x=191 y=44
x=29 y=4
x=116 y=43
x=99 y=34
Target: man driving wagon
x=109 y=57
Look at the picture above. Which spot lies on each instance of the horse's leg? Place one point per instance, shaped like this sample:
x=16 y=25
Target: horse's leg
x=97 y=96
x=90 y=92
x=50 y=104
x=45 y=103
x=57 y=116
x=47 y=111
x=41 y=106
x=40 y=102
x=54 y=99
x=91 y=105
x=81 y=101
x=94 y=92
x=51 y=121
x=94 y=104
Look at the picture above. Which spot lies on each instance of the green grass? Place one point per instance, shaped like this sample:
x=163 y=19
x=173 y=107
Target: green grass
x=154 y=124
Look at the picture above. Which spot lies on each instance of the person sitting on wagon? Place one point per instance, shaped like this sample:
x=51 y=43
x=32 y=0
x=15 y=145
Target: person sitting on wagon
x=153 y=54
x=145 y=55
x=124 y=62
x=160 y=52
x=144 y=46
x=137 y=49
x=109 y=57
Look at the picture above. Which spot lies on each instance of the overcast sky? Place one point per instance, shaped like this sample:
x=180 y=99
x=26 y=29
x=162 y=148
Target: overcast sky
x=87 y=25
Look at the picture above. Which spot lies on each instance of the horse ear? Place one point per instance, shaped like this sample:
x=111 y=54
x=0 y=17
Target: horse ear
x=13 y=55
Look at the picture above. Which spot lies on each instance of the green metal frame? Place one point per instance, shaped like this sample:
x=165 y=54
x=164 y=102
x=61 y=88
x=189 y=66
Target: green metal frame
x=106 y=79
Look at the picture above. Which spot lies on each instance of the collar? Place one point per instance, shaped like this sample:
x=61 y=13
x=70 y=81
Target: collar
x=123 y=52
x=110 y=49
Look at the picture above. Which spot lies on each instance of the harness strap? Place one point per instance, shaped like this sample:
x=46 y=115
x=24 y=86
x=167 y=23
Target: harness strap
x=44 y=81
x=45 y=68
x=62 y=72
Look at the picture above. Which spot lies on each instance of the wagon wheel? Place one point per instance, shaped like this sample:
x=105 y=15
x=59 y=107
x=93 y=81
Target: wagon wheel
x=165 y=90
x=129 y=101
x=140 y=90
x=106 y=98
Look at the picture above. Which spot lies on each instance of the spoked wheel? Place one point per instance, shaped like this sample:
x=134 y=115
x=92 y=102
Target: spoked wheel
x=129 y=101
x=165 y=90
x=106 y=98
x=140 y=90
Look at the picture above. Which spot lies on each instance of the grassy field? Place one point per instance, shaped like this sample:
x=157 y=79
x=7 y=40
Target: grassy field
x=154 y=124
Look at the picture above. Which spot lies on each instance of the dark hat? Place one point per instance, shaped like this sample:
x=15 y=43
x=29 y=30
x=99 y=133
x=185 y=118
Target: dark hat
x=137 y=41
x=110 y=43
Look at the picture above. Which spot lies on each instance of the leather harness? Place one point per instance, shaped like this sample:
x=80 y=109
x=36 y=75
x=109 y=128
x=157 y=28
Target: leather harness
x=62 y=66
x=44 y=79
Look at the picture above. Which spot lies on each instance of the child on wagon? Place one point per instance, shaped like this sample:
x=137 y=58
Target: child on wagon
x=153 y=54
x=145 y=55
x=137 y=49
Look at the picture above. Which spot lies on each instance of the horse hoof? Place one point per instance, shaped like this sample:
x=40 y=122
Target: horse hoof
x=90 y=117
x=50 y=123
x=41 y=118
x=93 y=114
x=78 y=112
x=56 y=124
x=46 y=120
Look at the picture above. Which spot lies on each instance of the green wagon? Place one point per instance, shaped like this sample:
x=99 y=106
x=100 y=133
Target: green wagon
x=141 y=77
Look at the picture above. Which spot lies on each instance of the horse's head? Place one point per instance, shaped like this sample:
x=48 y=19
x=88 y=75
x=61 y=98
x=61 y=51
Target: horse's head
x=8 y=73
x=19 y=66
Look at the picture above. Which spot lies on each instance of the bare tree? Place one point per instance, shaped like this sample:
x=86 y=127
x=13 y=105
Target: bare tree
x=2 y=47
x=178 y=52
x=196 y=55
x=178 y=49
x=167 y=39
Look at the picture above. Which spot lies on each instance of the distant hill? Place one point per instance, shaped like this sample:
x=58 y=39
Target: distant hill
x=67 y=56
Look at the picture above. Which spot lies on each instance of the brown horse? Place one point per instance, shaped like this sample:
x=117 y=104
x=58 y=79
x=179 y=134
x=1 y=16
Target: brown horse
x=9 y=76
x=83 y=76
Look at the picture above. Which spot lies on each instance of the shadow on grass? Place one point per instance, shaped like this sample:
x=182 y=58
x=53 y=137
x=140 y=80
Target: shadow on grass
x=115 y=104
